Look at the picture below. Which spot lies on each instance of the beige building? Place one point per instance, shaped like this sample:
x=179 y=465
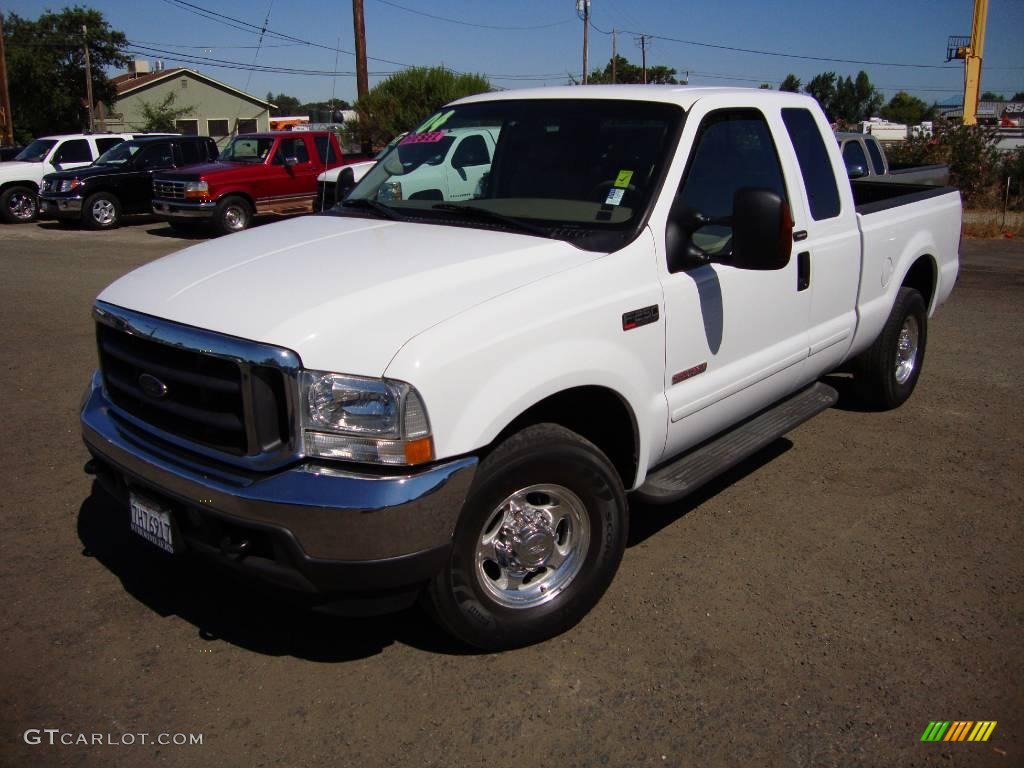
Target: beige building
x=218 y=110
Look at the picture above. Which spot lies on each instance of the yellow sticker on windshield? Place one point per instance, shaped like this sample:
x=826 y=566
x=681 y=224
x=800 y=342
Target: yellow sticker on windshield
x=622 y=180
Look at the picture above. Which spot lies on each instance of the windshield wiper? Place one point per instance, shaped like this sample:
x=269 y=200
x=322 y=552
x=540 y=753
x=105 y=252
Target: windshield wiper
x=364 y=202
x=485 y=213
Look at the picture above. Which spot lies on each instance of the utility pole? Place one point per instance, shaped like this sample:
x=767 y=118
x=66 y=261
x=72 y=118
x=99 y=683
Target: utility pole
x=643 y=53
x=88 y=73
x=362 y=85
x=584 y=5
x=615 y=55
x=6 y=121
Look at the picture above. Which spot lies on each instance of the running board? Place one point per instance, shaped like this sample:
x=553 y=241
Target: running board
x=692 y=470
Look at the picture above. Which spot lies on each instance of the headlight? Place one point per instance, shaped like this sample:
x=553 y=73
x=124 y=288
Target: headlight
x=196 y=189
x=378 y=421
x=66 y=185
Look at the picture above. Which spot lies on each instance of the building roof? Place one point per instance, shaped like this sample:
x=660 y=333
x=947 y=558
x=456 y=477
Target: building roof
x=128 y=83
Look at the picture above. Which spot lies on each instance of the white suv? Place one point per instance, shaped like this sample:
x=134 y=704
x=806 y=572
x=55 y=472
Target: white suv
x=21 y=177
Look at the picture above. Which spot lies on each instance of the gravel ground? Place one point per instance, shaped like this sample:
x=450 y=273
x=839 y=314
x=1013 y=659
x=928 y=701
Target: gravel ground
x=816 y=607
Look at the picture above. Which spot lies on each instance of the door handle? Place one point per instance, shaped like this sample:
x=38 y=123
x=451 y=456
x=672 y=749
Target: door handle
x=800 y=235
x=803 y=270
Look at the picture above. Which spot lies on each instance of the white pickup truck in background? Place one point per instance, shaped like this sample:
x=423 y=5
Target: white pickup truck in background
x=454 y=398
x=857 y=148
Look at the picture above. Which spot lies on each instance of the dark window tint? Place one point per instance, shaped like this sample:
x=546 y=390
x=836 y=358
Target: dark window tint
x=325 y=149
x=74 y=151
x=187 y=127
x=156 y=156
x=104 y=144
x=291 y=148
x=876 y=156
x=853 y=155
x=217 y=128
x=190 y=153
x=471 y=151
x=247 y=125
x=812 y=154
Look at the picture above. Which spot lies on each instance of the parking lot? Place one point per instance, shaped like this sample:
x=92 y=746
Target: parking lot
x=818 y=606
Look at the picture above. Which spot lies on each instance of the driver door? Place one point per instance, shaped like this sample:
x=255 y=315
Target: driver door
x=736 y=339
x=469 y=162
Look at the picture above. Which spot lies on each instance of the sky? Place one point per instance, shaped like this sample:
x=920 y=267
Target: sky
x=531 y=43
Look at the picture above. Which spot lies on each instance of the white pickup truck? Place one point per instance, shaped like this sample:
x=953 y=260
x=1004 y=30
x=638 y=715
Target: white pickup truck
x=456 y=399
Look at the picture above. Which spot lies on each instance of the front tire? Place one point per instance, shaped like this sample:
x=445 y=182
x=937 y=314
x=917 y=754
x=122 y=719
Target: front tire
x=887 y=372
x=233 y=214
x=19 y=205
x=539 y=539
x=101 y=211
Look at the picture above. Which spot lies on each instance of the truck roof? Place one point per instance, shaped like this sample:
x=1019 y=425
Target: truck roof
x=683 y=95
x=274 y=134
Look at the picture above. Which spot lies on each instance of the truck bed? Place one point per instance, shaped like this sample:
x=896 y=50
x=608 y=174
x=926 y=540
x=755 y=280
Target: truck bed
x=871 y=196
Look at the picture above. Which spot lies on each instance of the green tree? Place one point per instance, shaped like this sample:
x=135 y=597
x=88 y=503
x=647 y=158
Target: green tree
x=765 y=86
x=790 y=84
x=845 y=99
x=406 y=98
x=907 y=109
x=283 y=104
x=161 y=117
x=46 y=68
x=990 y=96
x=823 y=88
x=1018 y=96
x=628 y=73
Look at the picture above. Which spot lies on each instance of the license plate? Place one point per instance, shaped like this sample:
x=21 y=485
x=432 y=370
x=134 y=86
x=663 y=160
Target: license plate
x=151 y=522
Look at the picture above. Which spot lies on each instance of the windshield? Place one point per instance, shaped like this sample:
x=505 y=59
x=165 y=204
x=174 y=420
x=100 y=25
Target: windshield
x=578 y=168
x=119 y=154
x=247 y=149
x=36 y=151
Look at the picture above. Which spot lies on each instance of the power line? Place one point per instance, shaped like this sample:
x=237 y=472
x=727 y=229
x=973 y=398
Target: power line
x=469 y=23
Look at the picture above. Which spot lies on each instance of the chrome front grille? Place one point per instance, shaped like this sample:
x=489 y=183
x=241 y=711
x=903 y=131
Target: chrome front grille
x=225 y=397
x=169 y=190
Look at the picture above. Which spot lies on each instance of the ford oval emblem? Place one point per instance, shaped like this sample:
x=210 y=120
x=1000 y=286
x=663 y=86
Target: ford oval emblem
x=152 y=386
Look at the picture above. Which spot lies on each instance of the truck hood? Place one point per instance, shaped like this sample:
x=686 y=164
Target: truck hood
x=344 y=293
x=193 y=172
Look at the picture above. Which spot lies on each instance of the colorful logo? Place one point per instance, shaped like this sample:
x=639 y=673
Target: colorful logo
x=958 y=730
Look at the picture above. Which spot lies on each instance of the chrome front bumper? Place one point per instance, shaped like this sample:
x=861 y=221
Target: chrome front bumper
x=183 y=210
x=332 y=528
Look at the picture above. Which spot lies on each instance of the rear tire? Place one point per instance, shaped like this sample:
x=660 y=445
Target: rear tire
x=19 y=205
x=538 y=541
x=886 y=373
x=233 y=214
x=101 y=211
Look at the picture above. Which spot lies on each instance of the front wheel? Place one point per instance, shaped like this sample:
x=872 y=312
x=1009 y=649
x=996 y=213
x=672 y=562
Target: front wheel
x=886 y=373
x=18 y=205
x=233 y=214
x=539 y=539
x=101 y=211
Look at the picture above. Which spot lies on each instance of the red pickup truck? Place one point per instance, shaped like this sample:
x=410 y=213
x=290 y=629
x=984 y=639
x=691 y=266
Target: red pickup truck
x=256 y=173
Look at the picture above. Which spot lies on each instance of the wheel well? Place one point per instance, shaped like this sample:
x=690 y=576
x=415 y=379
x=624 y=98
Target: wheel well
x=244 y=195
x=921 y=278
x=595 y=413
x=30 y=184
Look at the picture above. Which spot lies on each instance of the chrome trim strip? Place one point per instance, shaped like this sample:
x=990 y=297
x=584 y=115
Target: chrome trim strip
x=244 y=353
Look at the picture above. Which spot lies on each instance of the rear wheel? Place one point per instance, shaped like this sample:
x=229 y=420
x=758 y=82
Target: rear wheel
x=18 y=204
x=887 y=372
x=101 y=211
x=538 y=541
x=233 y=214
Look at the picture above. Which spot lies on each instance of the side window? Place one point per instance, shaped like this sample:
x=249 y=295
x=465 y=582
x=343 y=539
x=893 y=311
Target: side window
x=104 y=144
x=812 y=154
x=74 y=151
x=472 y=150
x=291 y=148
x=733 y=150
x=324 y=149
x=876 y=156
x=190 y=153
x=853 y=155
x=156 y=156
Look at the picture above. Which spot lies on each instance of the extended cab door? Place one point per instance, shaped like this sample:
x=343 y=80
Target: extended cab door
x=826 y=238
x=288 y=186
x=71 y=153
x=736 y=339
x=469 y=162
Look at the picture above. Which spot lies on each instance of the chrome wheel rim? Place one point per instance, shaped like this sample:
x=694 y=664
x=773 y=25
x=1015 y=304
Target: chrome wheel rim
x=906 y=350
x=22 y=206
x=103 y=212
x=532 y=546
x=234 y=217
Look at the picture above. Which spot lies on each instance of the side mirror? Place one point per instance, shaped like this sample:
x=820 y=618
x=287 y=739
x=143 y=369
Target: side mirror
x=856 y=171
x=345 y=184
x=762 y=230
x=290 y=161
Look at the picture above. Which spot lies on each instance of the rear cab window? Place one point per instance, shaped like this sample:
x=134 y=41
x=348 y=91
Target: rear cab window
x=102 y=145
x=853 y=155
x=325 y=149
x=815 y=166
x=876 y=156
